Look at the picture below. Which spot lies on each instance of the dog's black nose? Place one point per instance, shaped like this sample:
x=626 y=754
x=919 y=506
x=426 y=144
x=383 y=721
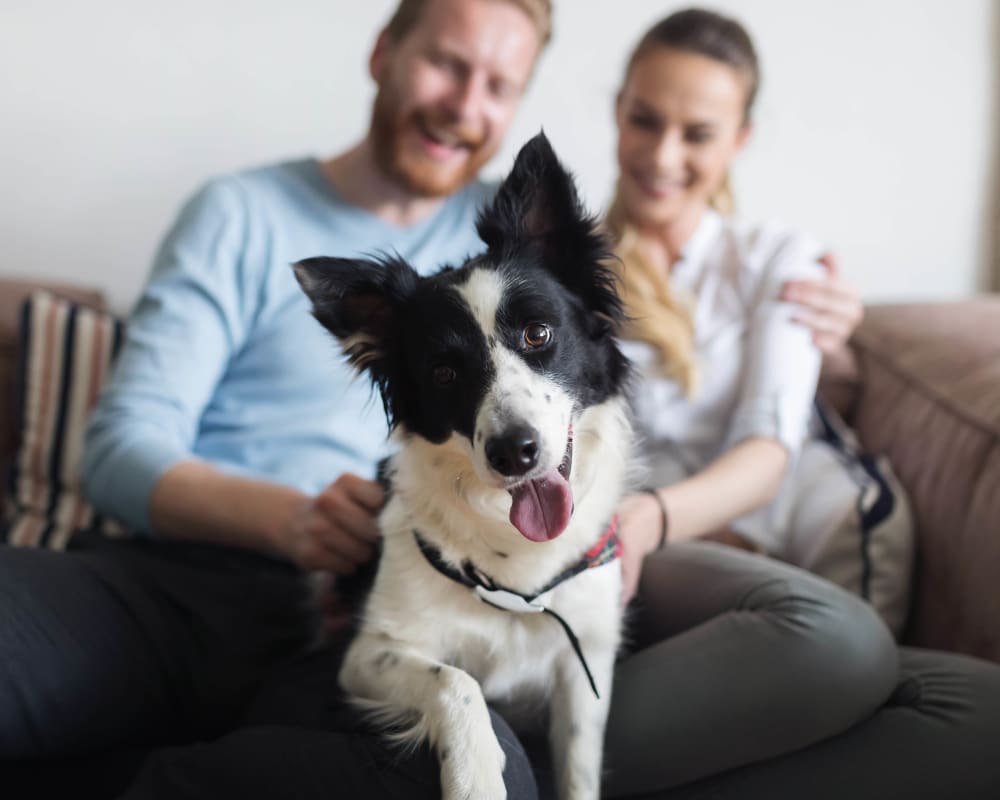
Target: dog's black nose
x=514 y=452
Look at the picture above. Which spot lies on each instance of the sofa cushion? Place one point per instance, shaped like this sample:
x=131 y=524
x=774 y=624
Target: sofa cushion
x=851 y=520
x=65 y=354
x=12 y=296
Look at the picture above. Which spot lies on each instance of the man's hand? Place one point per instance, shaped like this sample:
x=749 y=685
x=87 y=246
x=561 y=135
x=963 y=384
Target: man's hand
x=830 y=307
x=639 y=521
x=336 y=531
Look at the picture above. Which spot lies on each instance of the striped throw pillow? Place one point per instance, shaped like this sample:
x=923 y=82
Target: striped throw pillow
x=66 y=353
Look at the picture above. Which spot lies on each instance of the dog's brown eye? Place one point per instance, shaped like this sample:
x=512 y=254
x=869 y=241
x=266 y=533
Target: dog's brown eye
x=443 y=375
x=536 y=335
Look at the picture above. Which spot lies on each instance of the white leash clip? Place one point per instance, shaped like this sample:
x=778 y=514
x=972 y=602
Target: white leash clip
x=507 y=601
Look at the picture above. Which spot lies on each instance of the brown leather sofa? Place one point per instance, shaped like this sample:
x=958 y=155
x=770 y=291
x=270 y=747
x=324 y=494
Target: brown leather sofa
x=926 y=393
x=924 y=390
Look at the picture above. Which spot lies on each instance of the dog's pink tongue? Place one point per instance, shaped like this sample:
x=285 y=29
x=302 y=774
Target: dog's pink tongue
x=541 y=508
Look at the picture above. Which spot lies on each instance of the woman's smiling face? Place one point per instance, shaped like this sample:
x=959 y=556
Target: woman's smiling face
x=681 y=121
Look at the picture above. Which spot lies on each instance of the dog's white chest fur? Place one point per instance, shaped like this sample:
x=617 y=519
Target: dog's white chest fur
x=429 y=642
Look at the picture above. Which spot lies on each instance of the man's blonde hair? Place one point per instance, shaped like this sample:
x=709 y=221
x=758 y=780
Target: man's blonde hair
x=408 y=12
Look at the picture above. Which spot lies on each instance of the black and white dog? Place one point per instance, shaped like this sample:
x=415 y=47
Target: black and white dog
x=504 y=385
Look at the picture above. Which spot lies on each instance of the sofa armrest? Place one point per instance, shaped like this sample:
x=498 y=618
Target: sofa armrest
x=929 y=399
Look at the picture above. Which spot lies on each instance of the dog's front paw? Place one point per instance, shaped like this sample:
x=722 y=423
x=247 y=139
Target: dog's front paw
x=473 y=770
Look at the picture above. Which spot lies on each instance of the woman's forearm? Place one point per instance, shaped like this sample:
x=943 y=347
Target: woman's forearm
x=741 y=480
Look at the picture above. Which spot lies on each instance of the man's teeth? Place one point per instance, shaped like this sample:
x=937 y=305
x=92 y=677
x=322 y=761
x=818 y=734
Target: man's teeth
x=443 y=138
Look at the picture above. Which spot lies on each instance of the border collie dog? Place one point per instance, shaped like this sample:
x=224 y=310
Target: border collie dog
x=504 y=387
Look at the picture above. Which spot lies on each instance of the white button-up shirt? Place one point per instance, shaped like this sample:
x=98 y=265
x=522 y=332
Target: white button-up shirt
x=757 y=368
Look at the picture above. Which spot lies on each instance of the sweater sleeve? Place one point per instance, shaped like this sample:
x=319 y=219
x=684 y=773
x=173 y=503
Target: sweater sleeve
x=781 y=363
x=191 y=318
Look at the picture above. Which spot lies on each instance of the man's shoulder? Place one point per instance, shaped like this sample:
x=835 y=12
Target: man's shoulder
x=278 y=176
x=258 y=180
x=273 y=192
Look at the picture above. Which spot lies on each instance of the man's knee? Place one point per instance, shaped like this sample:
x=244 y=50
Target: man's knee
x=65 y=665
x=280 y=761
x=23 y=634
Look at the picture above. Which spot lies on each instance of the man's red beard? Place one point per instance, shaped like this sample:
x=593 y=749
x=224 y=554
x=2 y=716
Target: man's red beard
x=418 y=174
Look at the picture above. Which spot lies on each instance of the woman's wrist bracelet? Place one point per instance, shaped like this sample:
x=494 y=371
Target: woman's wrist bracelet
x=664 y=516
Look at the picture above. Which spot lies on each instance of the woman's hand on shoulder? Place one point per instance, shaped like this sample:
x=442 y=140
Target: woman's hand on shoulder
x=831 y=307
x=639 y=523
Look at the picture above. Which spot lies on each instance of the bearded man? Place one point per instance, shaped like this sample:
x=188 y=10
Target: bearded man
x=225 y=421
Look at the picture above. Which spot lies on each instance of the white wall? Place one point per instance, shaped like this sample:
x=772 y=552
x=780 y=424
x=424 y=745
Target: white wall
x=875 y=128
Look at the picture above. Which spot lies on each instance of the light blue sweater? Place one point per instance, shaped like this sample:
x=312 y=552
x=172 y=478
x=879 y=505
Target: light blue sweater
x=222 y=359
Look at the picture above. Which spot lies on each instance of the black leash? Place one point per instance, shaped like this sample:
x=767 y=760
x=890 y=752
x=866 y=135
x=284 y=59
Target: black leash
x=607 y=549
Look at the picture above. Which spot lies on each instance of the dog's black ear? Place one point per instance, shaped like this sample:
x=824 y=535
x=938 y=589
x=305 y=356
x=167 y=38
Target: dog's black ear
x=537 y=208
x=354 y=300
x=535 y=200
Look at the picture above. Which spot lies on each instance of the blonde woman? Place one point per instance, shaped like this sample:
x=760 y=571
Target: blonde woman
x=747 y=677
